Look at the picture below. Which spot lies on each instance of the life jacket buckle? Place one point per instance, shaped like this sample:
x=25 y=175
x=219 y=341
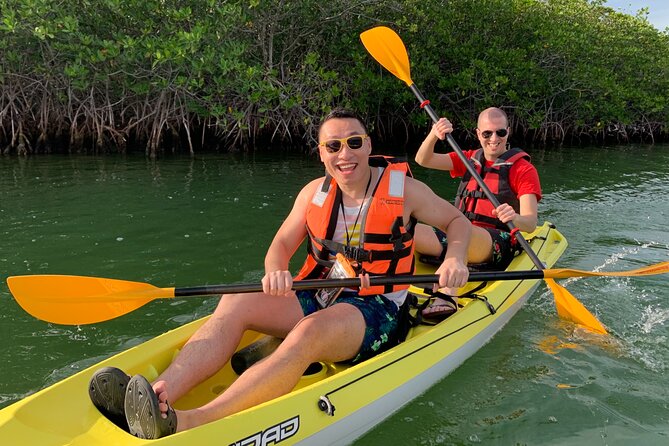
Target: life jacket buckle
x=357 y=254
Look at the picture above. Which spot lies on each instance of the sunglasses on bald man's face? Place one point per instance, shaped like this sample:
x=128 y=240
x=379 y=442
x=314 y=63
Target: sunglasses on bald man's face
x=500 y=132
x=353 y=142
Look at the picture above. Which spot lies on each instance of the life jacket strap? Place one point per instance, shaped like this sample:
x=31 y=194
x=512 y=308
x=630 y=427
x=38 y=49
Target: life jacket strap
x=497 y=223
x=356 y=253
x=472 y=194
x=371 y=237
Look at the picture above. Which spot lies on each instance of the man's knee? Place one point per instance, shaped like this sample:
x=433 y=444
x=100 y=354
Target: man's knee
x=312 y=331
x=229 y=301
x=236 y=308
x=307 y=328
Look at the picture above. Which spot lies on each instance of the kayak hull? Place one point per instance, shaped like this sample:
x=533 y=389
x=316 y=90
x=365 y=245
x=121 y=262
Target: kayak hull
x=335 y=404
x=372 y=414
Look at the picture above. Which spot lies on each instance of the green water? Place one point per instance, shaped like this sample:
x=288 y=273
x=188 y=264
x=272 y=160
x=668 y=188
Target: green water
x=188 y=222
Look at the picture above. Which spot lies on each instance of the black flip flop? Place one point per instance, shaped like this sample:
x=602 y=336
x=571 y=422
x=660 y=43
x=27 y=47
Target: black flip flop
x=143 y=413
x=106 y=389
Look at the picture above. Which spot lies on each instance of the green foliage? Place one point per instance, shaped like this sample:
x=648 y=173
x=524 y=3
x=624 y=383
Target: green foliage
x=560 y=67
x=107 y=74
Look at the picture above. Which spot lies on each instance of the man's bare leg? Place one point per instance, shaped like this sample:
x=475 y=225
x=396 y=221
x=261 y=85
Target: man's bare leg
x=478 y=251
x=334 y=334
x=480 y=246
x=212 y=345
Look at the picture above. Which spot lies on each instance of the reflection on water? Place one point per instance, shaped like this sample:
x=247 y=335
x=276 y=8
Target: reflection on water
x=209 y=219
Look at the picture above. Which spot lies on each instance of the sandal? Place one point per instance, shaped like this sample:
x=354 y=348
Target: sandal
x=106 y=389
x=437 y=312
x=142 y=411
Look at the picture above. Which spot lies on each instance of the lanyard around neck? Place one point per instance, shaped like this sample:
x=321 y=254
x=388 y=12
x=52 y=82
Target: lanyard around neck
x=343 y=212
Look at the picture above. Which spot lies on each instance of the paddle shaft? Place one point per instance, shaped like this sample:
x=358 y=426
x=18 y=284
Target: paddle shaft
x=472 y=171
x=76 y=300
x=355 y=282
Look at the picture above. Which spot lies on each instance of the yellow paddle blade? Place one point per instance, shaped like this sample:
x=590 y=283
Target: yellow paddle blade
x=564 y=273
x=387 y=48
x=569 y=308
x=77 y=300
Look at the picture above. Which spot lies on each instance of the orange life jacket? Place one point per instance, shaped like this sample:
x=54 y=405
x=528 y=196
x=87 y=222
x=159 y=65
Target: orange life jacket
x=386 y=243
x=471 y=200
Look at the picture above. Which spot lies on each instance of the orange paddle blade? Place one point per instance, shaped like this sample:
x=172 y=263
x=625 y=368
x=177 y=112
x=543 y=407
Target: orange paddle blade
x=76 y=300
x=569 y=308
x=387 y=48
x=564 y=273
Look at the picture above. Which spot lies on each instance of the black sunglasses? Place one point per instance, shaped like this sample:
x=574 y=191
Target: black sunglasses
x=353 y=142
x=500 y=132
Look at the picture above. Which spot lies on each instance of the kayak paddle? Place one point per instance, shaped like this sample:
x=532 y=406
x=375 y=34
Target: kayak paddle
x=78 y=300
x=387 y=48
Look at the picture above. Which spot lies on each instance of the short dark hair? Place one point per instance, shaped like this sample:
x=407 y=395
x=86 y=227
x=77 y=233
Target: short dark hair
x=342 y=113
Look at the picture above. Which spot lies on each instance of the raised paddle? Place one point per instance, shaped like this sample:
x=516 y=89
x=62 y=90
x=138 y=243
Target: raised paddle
x=387 y=48
x=77 y=300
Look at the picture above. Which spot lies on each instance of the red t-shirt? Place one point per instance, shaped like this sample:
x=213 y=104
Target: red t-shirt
x=523 y=176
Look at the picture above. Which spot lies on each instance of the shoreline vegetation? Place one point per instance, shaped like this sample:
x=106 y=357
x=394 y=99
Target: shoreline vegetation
x=109 y=76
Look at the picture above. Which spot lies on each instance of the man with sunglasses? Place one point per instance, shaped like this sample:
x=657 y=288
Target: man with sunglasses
x=509 y=175
x=362 y=207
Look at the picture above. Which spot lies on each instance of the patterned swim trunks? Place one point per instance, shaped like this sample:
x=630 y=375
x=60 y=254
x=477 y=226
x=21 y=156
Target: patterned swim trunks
x=380 y=316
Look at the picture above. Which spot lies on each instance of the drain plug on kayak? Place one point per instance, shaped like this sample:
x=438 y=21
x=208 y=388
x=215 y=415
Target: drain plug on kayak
x=326 y=405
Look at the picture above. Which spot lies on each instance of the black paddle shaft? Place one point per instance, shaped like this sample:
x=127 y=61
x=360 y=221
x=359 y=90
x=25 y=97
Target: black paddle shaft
x=472 y=171
x=354 y=282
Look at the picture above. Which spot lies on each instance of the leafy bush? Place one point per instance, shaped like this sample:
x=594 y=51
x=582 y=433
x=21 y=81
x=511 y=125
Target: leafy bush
x=110 y=75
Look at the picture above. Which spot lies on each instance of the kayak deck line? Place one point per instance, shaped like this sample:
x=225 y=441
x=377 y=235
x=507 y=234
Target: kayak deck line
x=334 y=404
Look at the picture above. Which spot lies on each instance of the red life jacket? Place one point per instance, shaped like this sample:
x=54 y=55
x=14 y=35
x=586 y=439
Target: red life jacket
x=471 y=200
x=386 y=243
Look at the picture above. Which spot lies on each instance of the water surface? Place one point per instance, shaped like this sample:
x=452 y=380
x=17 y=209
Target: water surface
x=187 y=222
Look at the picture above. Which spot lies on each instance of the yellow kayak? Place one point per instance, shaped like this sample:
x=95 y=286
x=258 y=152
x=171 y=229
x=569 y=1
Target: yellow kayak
x=334 y=403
